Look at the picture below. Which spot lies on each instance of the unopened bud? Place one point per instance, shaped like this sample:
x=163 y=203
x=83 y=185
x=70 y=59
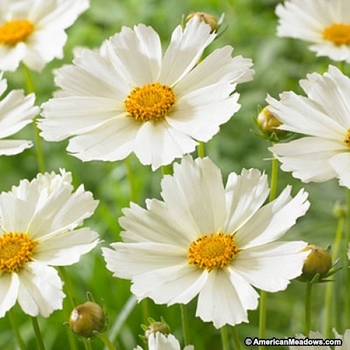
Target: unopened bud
x=268 y=123
x=206 y=18
x=317 y=262
x=87 y=319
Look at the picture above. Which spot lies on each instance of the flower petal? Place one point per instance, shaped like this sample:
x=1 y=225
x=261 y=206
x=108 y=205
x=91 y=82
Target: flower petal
x=341 y=165
x=11 y=147
x=272 y=266
x=8 y=291
x=225 y=299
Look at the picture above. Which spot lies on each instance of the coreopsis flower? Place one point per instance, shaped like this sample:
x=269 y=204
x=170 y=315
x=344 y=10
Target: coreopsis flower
x=160 y=341
x=39 y=222
x=316 y=341
x=128 y=97
x=324 y=23
x=16 y=111
x=33 y=31
x=209 y=240
x=324 y=116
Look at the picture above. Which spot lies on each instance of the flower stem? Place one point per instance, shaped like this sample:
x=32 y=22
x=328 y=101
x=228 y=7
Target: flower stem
x=274 y=179
x=106 y=341
x=224 y=338
x=201 y=150
x=131 y=180
x=236 y=340
x=87 y=344
x=185 y=324
x=329 y=313
x=68 y=285
x=38 y=145
x=308 y=299
x=15 y=329
x=39 y=338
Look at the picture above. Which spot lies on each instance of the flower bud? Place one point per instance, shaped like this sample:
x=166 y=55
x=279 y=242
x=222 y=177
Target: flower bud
x=154 y=327
x=206 y=18
x=268 y=123
x=87 y=319
x=317 y=262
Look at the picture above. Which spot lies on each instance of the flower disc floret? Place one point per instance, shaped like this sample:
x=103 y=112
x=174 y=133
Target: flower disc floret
x=16 y=249
x=339 y=34
x=151 y=102
x=212 y=251
x=15 y=31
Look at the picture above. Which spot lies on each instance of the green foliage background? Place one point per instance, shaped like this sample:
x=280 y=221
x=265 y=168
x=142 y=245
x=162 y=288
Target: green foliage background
x=279 y=64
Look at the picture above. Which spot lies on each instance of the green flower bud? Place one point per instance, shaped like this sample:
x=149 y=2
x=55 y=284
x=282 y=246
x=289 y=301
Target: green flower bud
x=87 y=319
x=206 y=18
x=318 y=262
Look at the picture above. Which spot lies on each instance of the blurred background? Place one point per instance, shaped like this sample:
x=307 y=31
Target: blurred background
x=279 y=64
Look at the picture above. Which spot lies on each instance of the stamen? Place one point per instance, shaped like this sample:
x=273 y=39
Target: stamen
x=16 y=249
x=15 y=31
x=213 y=251
x=347 y=138
x=338 y=33
x=151 y=102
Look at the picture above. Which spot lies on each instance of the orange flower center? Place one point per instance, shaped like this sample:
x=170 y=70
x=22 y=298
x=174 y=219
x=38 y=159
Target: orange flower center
x=338 y=33
x=347 y=138
x=16 y=249
x=151 y=102
x=213 y=251
x=15 y=31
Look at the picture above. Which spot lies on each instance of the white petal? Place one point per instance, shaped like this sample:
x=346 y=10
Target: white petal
x=159 y=144
x=273 y=220
x=308 y=158
x=9 y=285
x=40 y=290
x=195 y=196
x=184 y=51
x=111 y=141
x=272 y=266
x=11 y=147
x=245 y=194
x=225 y=299
x=66 y=248
x=341 y=165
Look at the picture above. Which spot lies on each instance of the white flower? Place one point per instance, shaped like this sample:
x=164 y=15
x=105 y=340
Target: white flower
x=38 y=230
x=129 y=98
x=32 y=31
x=211 y=241
x=16 y=111
x=158 y=341
x=315 y=339
x=326 y=23
x=325 y=116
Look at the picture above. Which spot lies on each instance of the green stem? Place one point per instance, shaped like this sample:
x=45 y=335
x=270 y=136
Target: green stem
x=185 y=324
x=236 y=339
x=274 y=179
x=262 y=317
x=15 y=329
x=38 y=145
x=224 y=338
x=201 y=150
x=39 y=338
x=69 y=286
x=87 y=344
x=308 y=308
x=145 y=310
x=106 y=341
x=131 y=180
x=329 y=312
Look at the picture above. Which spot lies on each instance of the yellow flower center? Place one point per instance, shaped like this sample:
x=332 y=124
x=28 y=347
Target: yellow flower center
x=212 y=251
x=347 y=138
x=339 y=34
x=15 y=31
x=15 y=251
x=151 y=102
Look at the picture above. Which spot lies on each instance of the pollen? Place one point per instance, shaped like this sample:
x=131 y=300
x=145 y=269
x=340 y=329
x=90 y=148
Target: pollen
x=16 y=249
x=215 y=250
x=151 y=102
x=339 y=34
x=347 y=138
x=15 y=31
